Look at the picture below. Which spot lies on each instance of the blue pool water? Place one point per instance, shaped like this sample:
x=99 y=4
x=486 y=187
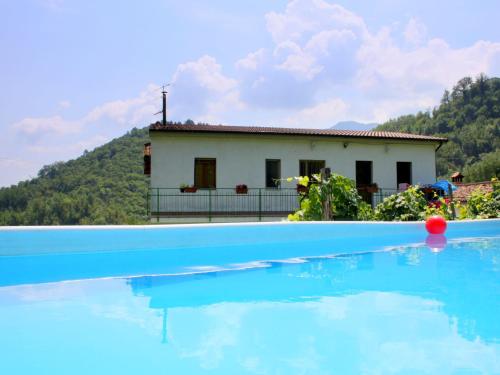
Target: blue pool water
x=259 y=299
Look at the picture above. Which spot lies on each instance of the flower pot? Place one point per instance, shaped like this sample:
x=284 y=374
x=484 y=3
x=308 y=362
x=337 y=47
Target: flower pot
x=191 y=189
x=302 y=189
x=241 y=190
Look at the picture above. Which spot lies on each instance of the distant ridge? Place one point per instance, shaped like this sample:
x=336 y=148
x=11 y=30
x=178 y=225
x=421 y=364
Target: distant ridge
x=353 y=125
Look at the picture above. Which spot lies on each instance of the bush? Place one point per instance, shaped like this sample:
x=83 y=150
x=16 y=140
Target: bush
x=483 y=205
x=408 y=205
x=441 y=208
x=345 y=202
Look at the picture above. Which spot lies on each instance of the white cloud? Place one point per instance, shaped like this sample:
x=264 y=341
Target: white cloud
x=324 y=50
x=325 y=65
x=43 y=140
x=415 y=32
x=63 y=104
x=430 y=68
x=206 y=72
x=46 y=125
x=202 y=92
x=304 y=18
x=252 y=60
x=324 y=114
x=318 y=35
x=384 y=109
x=302 y=65
x=69 y=148
x=128 y=111
x=321 y=42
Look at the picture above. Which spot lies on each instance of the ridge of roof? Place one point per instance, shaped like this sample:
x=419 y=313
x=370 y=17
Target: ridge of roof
x=203 y=128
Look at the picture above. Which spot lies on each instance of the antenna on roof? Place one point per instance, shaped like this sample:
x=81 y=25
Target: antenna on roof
x=164 y=108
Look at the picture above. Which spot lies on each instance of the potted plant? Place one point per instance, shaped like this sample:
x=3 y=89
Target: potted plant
x=185 y=188
x=302 y=188
x=372 y=188
x=241 y=189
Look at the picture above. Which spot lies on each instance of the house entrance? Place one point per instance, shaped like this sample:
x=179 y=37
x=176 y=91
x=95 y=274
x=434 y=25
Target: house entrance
x=403 y=169
x=364 y=178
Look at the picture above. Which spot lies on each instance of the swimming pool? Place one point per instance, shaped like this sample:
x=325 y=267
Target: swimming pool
x=321 y=298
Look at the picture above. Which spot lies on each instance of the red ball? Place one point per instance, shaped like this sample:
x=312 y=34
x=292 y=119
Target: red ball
x=435 y=225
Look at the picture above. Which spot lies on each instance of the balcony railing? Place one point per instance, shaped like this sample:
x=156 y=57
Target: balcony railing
x=257 y=202
x=226 y=202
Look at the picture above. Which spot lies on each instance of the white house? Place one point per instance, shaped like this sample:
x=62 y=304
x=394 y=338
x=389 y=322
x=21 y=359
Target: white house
x=215 y=159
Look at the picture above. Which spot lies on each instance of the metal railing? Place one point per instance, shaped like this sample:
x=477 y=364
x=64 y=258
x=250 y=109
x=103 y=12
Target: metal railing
x=382 y=194
x=256 y=202
x=211 y=203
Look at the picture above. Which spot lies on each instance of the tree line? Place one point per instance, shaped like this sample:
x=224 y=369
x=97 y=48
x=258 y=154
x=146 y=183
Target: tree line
x=469 y=116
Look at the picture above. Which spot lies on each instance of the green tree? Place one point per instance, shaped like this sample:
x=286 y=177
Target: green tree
x=469 y=117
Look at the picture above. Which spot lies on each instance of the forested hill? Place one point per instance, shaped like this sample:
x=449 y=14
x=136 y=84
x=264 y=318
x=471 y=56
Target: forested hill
x=469 y=117
x=104 y=186
x=107 y=185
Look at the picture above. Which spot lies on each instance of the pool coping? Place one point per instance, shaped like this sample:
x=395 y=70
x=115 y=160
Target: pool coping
x=218 y=225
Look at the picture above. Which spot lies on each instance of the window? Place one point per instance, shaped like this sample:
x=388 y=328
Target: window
x=204 y=173
x=273 y=173
x=310 y=167
x=403 y=169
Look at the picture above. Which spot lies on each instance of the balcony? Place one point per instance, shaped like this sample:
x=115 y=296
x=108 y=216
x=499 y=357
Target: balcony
x=225 y=204
x=211 y=204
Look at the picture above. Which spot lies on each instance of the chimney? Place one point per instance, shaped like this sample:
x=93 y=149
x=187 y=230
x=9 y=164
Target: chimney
x=164 y=93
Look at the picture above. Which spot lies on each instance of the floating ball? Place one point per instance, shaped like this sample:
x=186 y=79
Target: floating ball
x=436 y=242
x=435 y=225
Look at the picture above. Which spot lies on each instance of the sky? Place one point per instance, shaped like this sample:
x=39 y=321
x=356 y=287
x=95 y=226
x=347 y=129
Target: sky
x=78 y=73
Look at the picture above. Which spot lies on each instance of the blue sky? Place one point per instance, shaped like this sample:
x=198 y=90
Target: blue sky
x=76 y=73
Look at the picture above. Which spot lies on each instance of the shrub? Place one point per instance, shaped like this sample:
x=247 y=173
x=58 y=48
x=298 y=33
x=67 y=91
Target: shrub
x=483 y=205
x=345 y=202
x=442 y=208
x=408 y=205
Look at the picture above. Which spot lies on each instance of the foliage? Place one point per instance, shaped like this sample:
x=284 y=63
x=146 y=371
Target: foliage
x=345 y=202
x=486 y=168
x=408 y=205
x=483 y=205
x=441 y=207
x=104 y=186
x=469 y=117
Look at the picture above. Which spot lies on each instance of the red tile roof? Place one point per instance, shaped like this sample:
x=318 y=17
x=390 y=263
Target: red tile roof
x=464 y=191
x=292 y=131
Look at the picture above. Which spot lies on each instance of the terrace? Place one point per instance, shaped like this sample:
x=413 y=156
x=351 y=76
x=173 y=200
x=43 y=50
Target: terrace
x=228 y=204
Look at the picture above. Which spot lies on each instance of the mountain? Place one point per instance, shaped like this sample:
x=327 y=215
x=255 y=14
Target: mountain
x=469 y=116
x=107 y=185
x=104 y=186
x=353 y=125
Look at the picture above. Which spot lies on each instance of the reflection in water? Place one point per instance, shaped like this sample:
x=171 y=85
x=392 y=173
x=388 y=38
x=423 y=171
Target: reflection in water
x=405 y=311
x=463 y=282
x=436 y=242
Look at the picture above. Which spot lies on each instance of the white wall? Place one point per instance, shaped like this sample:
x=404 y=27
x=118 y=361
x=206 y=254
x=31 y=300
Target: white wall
x=241 y=158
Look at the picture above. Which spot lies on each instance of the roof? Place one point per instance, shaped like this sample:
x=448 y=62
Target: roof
x=465 y=190
x=457 y=174
x=225 y=129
